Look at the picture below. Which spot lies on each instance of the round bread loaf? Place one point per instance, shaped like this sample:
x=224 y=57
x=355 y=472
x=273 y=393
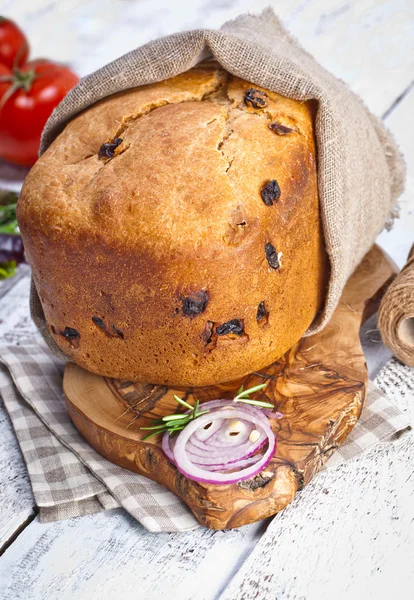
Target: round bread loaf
x=174 y=231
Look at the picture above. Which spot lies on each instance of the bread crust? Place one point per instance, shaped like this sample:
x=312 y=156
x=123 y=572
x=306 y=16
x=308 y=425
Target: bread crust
x=147 y=255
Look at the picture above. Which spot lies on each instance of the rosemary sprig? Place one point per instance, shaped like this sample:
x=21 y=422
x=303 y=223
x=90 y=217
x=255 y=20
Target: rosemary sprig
x=174 y=422
x=243 y=396
x=177 y=421
x=182 y=402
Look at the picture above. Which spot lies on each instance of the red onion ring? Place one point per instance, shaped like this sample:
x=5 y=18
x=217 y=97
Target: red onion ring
x=223 y=439
x=205 y=434
x=192 y=470
x=237 y=452
x=220 y=458
x=242 y=464
x=165 y=445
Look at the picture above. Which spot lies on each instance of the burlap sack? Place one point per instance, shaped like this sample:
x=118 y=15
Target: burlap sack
x=360 y=171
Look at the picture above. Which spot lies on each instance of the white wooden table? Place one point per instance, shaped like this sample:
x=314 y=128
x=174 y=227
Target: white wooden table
x=350 y=533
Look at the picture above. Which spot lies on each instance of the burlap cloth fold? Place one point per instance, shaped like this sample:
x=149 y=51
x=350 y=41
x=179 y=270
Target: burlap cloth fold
x=70 y=479
x=360 y=171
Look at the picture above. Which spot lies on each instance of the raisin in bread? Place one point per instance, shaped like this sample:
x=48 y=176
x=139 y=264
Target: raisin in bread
x=174 y=231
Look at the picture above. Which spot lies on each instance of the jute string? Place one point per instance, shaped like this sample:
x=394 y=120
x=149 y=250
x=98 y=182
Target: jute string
x=396 y=314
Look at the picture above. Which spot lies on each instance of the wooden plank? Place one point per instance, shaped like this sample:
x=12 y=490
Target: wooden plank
x=16 y=499
x=16 y=326
x=367 y=43
x=348 y=535
x=110 y=556
x=6 y=285
x=399 y=240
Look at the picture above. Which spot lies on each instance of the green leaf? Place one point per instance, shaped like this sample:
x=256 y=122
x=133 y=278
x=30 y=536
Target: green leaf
x=196 y=405
x=247 y=393
x=11 y=228
x=241 y=388
x=255 y=402
x=183 y=402
x=7 y=269
x=202 y=412
x=176 y=417
x=154 y=427
x=8 y=204
x=174 y=429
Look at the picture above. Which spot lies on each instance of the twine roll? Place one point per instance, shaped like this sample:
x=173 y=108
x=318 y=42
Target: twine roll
x=396 y=314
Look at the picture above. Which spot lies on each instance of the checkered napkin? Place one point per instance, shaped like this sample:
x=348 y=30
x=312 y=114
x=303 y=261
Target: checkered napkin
x=70 y=479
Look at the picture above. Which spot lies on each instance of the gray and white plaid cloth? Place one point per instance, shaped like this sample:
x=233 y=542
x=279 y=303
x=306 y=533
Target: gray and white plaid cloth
x=71 y=479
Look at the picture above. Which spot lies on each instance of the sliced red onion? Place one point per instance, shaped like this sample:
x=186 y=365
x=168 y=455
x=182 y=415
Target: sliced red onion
x=203 y=434
x=233 y=405
x=241 y=464
x=223 y=438
x=220 y=458
x=200 y=444
x=184 y=460
x=212 y=458
x=166 y=446
x=238 y=452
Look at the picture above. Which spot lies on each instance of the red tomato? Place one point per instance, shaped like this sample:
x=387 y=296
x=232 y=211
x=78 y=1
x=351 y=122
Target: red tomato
x=14 y=47
x=27 y=99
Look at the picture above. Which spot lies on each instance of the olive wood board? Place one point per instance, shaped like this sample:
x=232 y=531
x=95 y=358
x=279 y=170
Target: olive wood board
x=319 y=386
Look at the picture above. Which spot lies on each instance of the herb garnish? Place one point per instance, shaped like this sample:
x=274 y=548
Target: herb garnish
x=243 y=396
x=177 y=421
x=8 y=221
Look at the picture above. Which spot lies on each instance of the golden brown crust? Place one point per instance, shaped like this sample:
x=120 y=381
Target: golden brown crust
x=147 y=253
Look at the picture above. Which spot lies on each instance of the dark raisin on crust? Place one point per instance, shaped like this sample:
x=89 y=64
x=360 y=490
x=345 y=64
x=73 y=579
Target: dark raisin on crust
x=234 y=326
x=280 y=129
x=270 y=192
x=262 y=313
x=112 y=332
x=69 y=333
x=195 y=304
x=107 y=150
x=271 y=256
x=72 y=336
x=117 y=332
x=99 y=322
x=255 y=98
x=207 y=332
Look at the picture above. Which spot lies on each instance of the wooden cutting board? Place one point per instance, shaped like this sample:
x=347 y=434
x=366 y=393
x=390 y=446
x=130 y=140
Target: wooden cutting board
x=319 y=386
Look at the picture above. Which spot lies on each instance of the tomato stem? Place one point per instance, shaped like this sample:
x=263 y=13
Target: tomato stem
x=20 y=80
x=24 y=79
x=17 y=59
